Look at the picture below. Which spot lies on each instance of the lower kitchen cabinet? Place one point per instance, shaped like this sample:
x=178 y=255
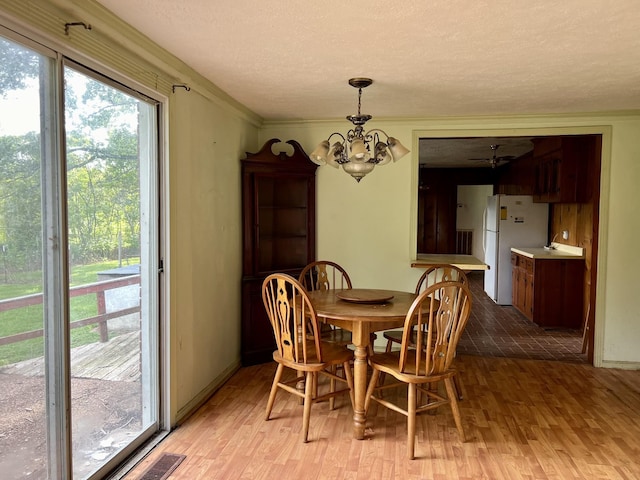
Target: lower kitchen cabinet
x=522 y=284
x=548 y=291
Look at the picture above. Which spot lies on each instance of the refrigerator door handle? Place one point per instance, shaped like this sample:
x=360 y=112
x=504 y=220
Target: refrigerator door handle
x=484 y=232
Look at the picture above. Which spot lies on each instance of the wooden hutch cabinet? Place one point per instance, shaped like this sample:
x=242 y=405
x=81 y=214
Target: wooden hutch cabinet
x=279 y=234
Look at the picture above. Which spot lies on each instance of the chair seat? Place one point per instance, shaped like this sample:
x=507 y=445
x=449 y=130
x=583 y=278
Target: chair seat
x=339 y=336
x=395 y=336
x=332 y=354
x=387 y=362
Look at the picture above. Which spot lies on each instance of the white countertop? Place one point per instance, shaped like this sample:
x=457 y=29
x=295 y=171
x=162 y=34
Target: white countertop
x=558 y=251
x=463 y=262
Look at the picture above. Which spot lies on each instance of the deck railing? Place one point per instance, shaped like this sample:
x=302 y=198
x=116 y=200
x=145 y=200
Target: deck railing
x=99 y=288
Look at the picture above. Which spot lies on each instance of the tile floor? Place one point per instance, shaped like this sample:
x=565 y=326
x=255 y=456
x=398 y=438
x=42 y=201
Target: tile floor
x=502 y=331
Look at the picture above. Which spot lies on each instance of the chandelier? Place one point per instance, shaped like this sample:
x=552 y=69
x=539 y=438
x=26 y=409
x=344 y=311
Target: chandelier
x=359 y=152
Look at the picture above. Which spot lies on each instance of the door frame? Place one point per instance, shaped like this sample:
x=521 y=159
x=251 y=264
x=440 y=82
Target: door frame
x=595 y=332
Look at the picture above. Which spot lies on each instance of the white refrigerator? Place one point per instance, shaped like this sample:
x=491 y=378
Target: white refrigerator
x=510 y=221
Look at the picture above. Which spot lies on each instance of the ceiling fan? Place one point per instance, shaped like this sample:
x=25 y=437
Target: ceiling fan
x=494 y=161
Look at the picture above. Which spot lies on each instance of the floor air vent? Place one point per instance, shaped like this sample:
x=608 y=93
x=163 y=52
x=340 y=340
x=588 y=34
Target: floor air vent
x=162 y=467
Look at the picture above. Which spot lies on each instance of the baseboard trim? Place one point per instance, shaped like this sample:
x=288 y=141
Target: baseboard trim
x=201 y=398
x=621 y=365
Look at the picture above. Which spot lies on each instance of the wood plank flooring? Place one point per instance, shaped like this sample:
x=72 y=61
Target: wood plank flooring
x=524 y=419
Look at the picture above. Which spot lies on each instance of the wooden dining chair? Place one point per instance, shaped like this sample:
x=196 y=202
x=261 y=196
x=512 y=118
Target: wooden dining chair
x=433 y=274
x=327 y=275
x=436 y=321
x=299 y=347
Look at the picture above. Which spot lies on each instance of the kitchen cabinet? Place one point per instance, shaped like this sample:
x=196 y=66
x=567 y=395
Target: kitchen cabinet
x=548 y=291
x=522 y=284
x=561 y=169
x=517 y=177
x=279 y=234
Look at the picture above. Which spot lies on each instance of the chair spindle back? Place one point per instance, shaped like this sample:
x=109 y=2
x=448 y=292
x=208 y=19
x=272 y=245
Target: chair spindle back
x=442 y=272
x=287 y=304
x=324 y=275
x=436 y=320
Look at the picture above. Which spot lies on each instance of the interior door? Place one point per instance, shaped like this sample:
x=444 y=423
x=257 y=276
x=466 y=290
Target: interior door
x=437 y=216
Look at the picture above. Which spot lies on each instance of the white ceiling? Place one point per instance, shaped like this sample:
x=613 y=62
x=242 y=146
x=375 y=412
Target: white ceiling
x=471 y=152
x=292 y=59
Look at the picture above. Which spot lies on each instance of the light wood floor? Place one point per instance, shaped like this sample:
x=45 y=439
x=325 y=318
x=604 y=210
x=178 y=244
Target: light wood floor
x=524 y=419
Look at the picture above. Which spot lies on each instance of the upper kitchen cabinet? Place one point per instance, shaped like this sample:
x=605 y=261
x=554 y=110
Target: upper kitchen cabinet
x=562 y=168
x=517 y=177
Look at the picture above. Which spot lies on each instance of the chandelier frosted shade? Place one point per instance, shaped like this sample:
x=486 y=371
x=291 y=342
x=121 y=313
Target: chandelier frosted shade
x=321 y=153
x=397 y=149
x=358 y=152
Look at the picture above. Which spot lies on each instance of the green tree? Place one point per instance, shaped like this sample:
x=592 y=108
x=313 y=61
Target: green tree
x=102 y=168
x=105 y=201
x=17 y=65
x=20 y=219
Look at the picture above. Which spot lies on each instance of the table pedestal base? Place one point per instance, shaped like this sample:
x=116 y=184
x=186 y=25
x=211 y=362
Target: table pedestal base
x=360 y=338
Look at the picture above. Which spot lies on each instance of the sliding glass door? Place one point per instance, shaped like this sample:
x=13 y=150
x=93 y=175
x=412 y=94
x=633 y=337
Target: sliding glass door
x=79 y=315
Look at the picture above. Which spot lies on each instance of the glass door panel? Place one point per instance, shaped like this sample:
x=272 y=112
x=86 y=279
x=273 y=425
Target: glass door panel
x=109 y=173
x=23 y=412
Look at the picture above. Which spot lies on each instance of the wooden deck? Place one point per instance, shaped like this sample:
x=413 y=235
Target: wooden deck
x=117 y=360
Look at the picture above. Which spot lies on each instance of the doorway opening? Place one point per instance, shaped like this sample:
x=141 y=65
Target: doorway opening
x=455 y=175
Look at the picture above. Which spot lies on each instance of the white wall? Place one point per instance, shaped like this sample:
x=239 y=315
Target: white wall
x=371 y=227
x=206 y=244
x=472 y=201
x=619 y=313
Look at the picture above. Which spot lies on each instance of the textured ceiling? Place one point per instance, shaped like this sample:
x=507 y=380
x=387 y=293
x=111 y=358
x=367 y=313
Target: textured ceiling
x=292 y=59
x=471 y=152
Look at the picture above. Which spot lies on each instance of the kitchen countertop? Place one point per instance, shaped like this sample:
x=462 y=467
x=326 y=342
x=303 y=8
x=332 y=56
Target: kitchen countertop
x=463 y=262
x=559 y=251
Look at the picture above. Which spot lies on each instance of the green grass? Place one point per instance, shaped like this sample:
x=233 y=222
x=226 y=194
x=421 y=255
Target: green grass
x=31 y=318
x=25 y=284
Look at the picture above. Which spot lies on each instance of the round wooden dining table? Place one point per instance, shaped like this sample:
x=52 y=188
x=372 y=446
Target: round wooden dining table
x=361 y=311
